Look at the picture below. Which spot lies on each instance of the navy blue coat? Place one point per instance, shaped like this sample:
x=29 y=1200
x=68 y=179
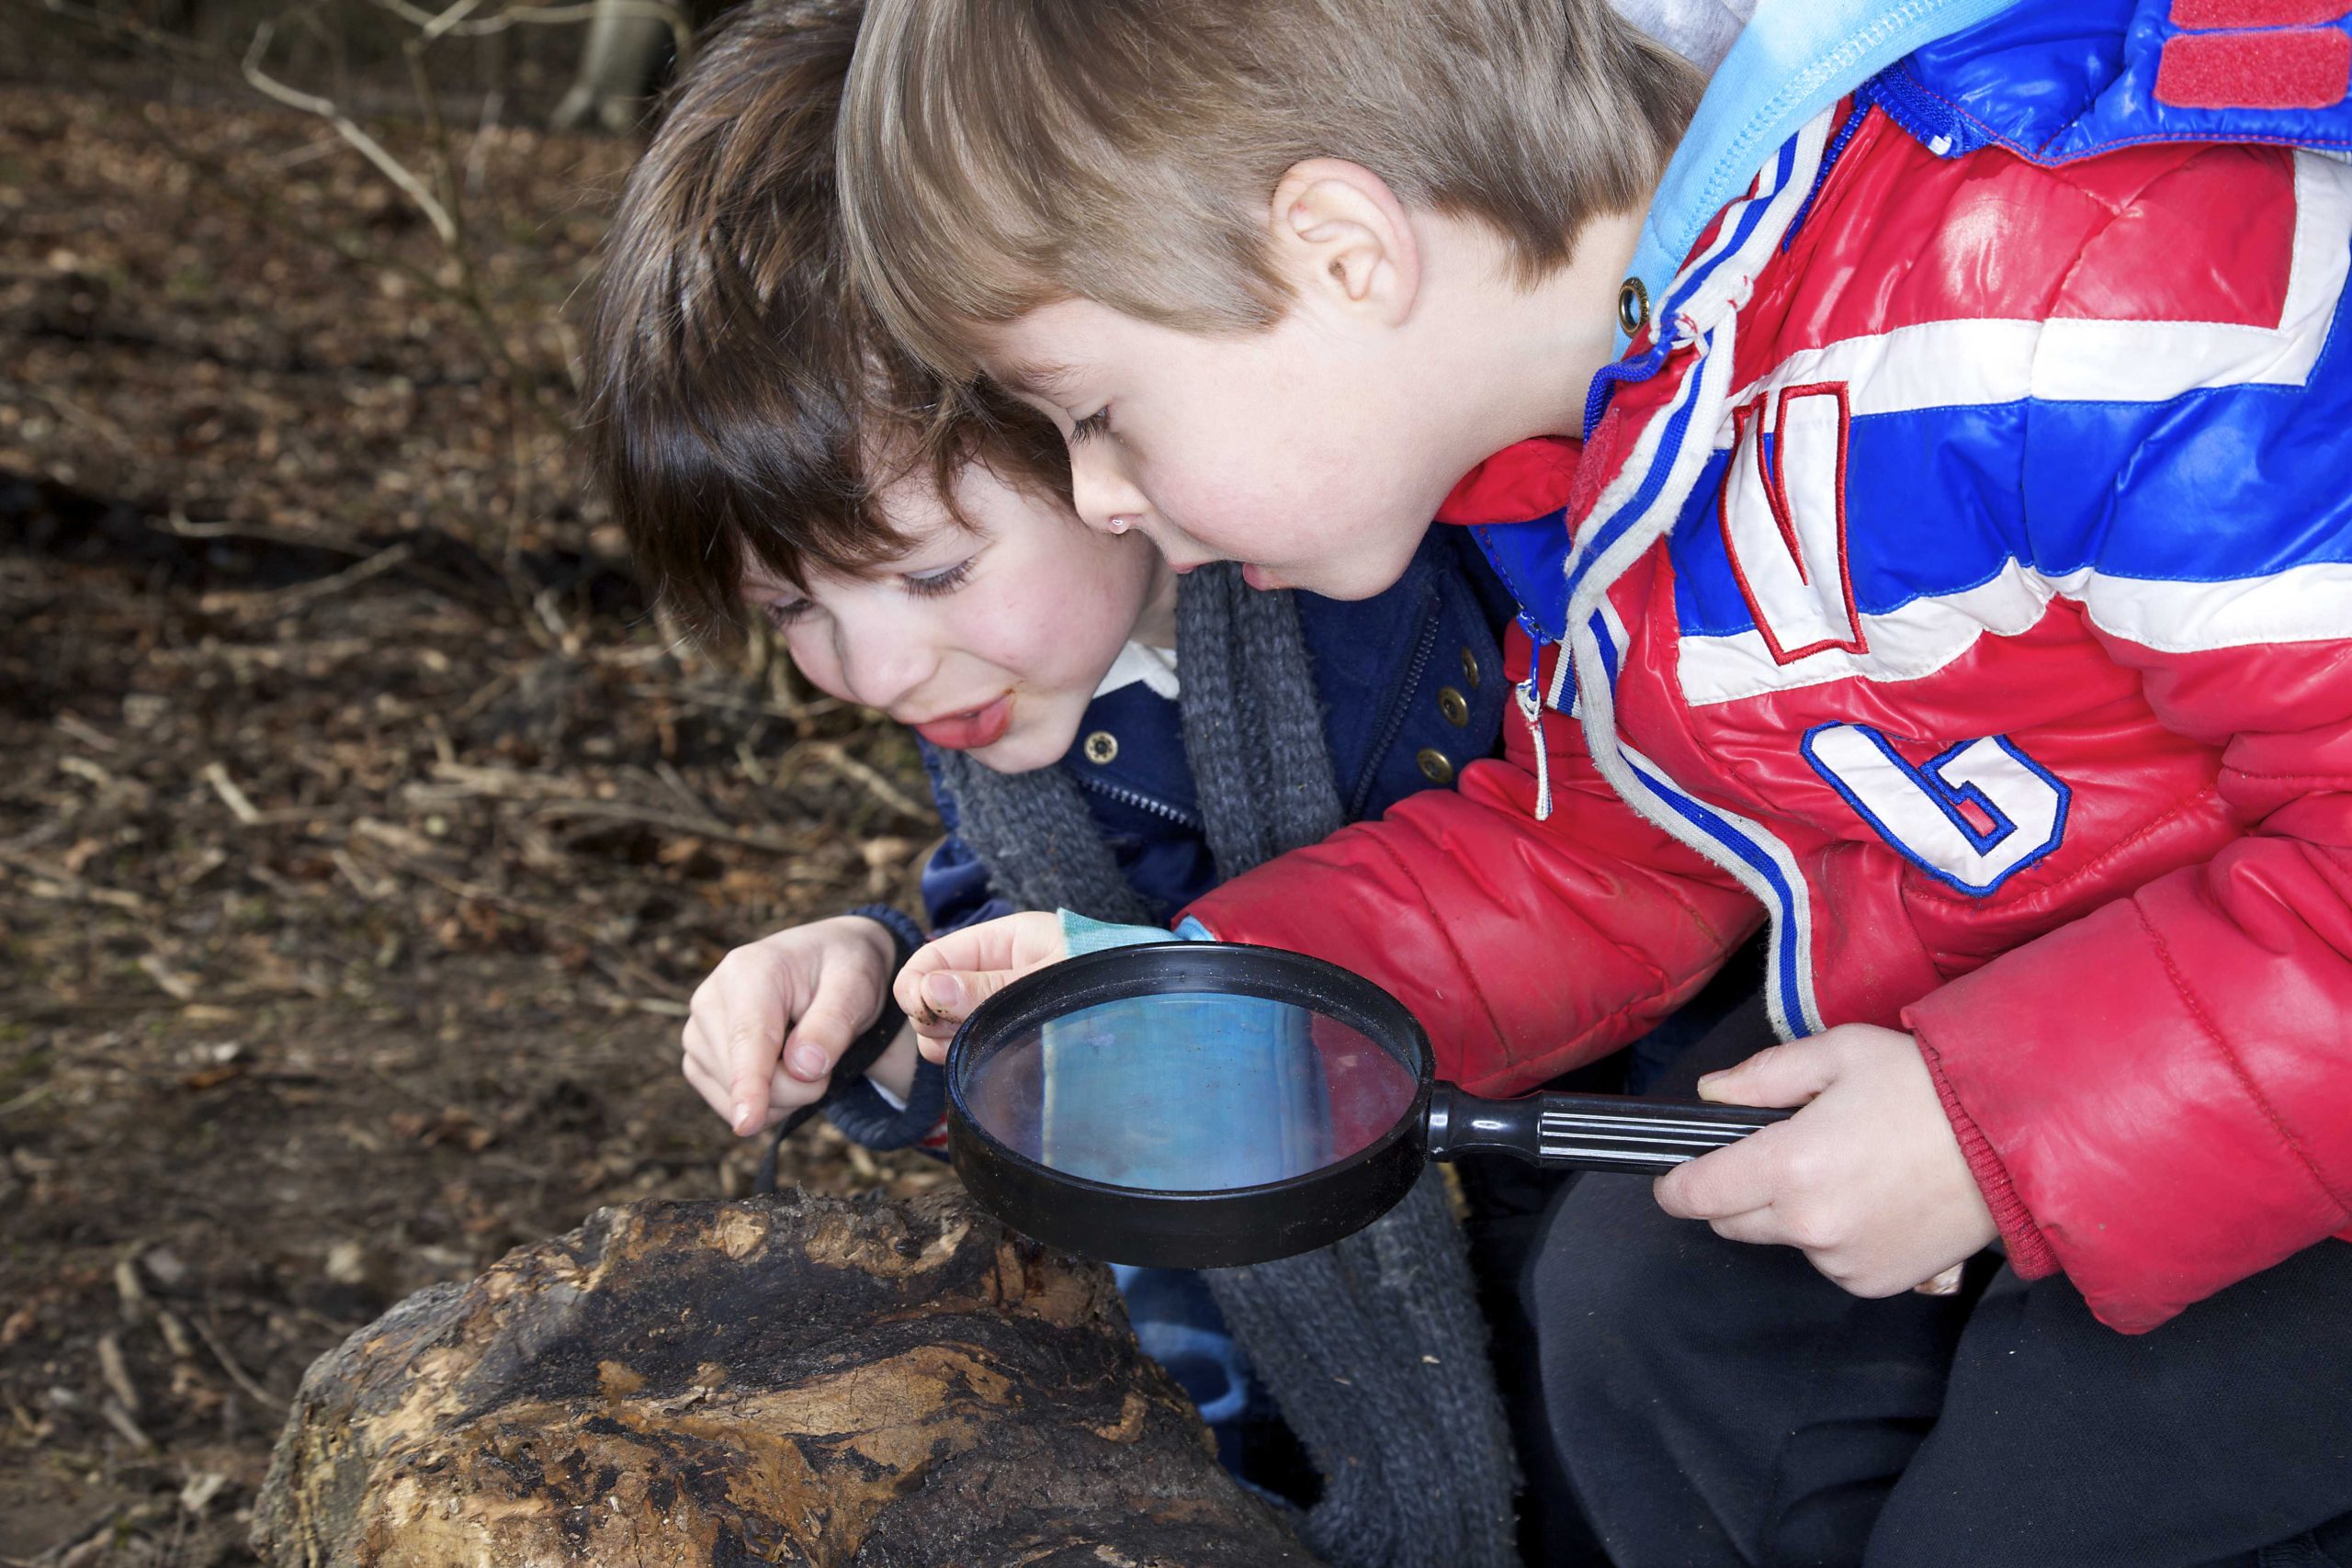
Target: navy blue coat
x=1413 y=689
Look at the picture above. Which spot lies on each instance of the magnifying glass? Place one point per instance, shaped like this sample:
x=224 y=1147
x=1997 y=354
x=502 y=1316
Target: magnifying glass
x=1206 y=1105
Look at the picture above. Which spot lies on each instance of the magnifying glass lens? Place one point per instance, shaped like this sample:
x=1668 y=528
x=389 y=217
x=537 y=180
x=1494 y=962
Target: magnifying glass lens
x=1187 y=1091
x=1211 y=1105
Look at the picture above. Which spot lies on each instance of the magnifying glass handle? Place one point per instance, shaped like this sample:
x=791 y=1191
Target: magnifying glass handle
x=1590 y=1132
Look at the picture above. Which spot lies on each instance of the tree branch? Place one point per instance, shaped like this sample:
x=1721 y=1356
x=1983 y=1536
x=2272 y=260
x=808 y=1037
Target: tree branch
x=346 y=127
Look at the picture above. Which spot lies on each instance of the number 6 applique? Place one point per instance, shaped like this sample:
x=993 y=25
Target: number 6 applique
x=1971 y=816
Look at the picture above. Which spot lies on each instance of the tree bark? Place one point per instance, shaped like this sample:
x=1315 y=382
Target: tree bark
x=851 y=1383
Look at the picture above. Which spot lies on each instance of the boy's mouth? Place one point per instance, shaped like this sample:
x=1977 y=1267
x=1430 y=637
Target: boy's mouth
x=971 y=729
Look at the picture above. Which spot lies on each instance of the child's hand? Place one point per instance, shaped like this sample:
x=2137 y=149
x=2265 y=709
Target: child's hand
x=824 y=982
x=1868 y=1180
x=947 y=979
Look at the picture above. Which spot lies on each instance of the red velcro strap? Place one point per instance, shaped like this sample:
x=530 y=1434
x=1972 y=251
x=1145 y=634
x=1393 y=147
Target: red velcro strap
x=2198 y=14
x=2305 y=68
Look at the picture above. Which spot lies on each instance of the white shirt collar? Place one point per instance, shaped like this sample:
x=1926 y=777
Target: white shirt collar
x=1155 y=667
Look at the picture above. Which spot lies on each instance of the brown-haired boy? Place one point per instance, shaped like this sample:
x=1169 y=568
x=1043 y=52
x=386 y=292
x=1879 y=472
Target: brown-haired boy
x=768 y=450
x=742 y=411
x=1956 y=573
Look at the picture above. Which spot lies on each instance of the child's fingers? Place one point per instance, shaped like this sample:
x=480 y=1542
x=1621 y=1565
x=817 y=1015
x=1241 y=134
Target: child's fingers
x=786 y=1094
x=1746 y=1176
x=1759 y=1227
x=943 y=956
x=1944 y=1282
x=1733 y=1180
x=747 y=1101
x=714 y=1093
x=1778 y=1074
x=699 y=1047
x=1015 y=944
x=706 y=1069
x=755 y=1037
x=947 y=997
x=843 y=1006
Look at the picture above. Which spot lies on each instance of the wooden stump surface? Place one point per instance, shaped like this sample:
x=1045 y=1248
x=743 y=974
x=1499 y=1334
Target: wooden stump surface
x=846 y=1382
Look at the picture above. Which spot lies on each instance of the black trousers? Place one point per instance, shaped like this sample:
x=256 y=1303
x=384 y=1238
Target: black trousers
x=1717 y=1403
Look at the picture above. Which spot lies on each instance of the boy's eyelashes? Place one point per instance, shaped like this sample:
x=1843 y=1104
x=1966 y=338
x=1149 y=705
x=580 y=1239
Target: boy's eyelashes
x=1093 y=424
x=932 y=584
x=783 y=613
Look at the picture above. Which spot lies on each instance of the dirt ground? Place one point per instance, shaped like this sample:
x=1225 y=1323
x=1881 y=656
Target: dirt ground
x=361 y=837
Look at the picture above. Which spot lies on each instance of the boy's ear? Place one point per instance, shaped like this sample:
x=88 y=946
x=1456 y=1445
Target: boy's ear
x=1340 y=234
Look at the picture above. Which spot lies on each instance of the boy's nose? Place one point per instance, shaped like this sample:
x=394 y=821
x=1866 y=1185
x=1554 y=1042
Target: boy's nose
x=883 y=665
x=1106 y=501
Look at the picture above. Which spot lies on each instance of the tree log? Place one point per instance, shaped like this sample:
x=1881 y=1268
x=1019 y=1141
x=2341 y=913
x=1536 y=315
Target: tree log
x=851 y=1383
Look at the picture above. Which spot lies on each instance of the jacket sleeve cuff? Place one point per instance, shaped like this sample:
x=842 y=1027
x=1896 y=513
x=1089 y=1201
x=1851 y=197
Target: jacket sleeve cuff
x=2029 y=1251
x=1080 y=934
x=904 y=933
x=865 y=1116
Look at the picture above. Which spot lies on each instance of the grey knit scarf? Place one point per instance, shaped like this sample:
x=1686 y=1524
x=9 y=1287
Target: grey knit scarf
x=1373 y=1347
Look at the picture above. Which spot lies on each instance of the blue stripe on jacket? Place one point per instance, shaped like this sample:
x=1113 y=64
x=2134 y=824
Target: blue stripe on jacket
x=2225 y=485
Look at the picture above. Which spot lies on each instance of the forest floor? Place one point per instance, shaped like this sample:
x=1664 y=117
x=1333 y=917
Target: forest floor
x=361 y=837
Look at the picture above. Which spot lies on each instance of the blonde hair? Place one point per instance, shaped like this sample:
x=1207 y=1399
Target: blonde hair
x=998 y=155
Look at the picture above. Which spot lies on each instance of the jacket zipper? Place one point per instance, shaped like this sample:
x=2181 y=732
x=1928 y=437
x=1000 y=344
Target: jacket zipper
x=1414 y=669
x=1531 y=708
x=1140 y=801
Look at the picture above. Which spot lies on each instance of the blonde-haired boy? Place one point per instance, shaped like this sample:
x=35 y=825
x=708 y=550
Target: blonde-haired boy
x=1112 y=169
x=1957 y=575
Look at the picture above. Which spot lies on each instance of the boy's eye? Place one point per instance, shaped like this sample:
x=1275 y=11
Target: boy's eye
x=782 y=613
x=1093 y=424
x=940 y=582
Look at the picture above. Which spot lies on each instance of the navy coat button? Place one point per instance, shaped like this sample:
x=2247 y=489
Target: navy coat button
x=1436 y=766
x=1453 y=704
x=1102 y=747
x=1470 y=667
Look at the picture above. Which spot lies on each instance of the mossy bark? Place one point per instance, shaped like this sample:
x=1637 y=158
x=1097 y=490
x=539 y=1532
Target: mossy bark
x=851 y=1383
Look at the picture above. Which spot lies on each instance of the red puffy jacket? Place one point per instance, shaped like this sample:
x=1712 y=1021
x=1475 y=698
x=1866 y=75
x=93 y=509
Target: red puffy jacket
x=1963 y=584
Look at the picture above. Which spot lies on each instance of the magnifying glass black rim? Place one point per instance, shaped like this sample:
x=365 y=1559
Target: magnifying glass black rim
x=1219 y=1227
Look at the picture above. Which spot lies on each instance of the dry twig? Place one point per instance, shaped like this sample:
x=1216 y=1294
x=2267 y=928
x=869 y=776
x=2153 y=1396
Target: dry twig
x=122 y=1422
x=391 y=168
x=117 y=1373
x=239 y=805
x=680 y=25
x=237 y=1375
x=282 y=599
x=772 y=839
x=837 y=757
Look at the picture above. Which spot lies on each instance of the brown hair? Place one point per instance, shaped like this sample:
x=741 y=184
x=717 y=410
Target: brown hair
x=739 y=397
x=998 y=155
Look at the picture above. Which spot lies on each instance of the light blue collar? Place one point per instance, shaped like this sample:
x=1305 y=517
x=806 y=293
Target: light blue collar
x=1795 y=59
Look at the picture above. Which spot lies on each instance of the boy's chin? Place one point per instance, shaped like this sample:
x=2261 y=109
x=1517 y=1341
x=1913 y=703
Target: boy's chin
x=1374 y=563
x=1348 y=579
x=1022 y=753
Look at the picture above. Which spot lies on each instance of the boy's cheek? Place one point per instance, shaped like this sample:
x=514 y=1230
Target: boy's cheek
x=814 y=663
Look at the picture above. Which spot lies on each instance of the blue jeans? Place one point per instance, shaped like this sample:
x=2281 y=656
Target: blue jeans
x=1177 y=1324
